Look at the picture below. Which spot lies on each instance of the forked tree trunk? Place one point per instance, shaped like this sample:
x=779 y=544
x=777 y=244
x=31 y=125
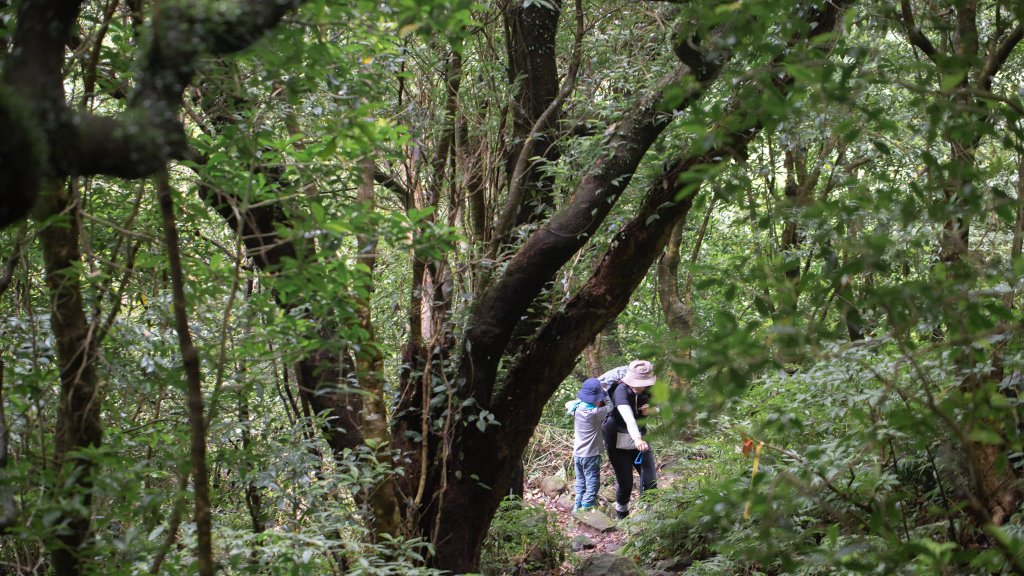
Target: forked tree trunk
x=477 y=475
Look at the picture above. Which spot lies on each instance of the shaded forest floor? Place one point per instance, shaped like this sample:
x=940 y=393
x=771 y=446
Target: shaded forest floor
x=550 y=456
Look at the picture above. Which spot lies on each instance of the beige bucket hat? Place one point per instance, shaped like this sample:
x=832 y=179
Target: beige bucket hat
x=640 y=374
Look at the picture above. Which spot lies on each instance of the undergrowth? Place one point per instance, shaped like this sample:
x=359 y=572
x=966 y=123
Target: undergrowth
x=522 y=540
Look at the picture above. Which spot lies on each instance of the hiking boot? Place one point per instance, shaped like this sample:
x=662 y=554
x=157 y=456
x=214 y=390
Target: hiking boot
x=621 y=510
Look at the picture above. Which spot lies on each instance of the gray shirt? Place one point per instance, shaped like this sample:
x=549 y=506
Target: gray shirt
x=587 y=439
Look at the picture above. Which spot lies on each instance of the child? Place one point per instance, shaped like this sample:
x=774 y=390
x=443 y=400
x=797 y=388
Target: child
x=588 y=412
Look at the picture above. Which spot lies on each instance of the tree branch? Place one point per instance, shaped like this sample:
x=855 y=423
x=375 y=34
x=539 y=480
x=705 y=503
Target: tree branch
x=914 y=34
x=136 y=143
x=695 y=253
x=553 y=244
x=675 y=311
x=384 y=179
x=89 y=68
x=999 y=56
x=619 y=272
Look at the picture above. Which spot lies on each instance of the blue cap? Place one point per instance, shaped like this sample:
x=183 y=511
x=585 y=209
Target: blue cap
x=591 y=392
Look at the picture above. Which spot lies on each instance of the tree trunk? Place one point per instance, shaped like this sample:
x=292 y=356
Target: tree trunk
x=995 y=481
x=8 y=510
x=383 y=499
x=190 y=358
x=532 y=67
x=78 y=414
x=675 y=307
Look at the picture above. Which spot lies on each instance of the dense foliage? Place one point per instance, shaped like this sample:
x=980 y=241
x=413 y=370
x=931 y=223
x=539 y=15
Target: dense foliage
x=288 y=286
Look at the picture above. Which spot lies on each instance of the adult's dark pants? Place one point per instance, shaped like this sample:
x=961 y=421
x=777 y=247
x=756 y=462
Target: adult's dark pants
x=624 y=462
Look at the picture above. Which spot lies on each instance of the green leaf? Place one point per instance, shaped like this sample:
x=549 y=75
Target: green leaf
x=985 y=436
x=952 y=78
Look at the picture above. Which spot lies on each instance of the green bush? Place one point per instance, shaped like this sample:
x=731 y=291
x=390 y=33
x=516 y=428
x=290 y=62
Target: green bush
x=522 y=540
x=850 y=480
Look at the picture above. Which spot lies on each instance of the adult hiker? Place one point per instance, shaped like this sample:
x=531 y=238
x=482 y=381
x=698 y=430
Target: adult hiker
x=629 y=391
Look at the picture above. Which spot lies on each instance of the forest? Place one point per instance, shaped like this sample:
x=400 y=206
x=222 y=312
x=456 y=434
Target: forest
x=302 y=287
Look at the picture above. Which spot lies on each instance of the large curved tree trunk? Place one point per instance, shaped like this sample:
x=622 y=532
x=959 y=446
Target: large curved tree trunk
x=475 y=430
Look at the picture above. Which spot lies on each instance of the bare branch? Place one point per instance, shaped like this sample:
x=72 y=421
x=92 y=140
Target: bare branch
x=999 y=56
x=384 y=179
x=914 y=34
x=90 y=67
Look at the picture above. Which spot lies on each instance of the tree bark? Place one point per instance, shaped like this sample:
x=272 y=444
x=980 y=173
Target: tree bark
x=675 y=307
x=190 y=358
x=78 y=413
x=383 y=498
x=532 y=67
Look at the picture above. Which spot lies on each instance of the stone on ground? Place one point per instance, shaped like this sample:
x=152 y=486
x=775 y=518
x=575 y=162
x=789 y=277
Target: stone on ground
x=565 y=502
x=677 y=564
x=595 y=519
x=608 y=493
x=612 y=547
x=608 y=565
x=581 y=542
x=552 y=486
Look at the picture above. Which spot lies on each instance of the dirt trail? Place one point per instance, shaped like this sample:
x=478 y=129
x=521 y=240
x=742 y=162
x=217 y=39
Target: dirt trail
x=550 y=455
x=606 y=542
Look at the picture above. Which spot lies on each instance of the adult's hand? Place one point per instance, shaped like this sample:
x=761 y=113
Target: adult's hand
x=642 y=446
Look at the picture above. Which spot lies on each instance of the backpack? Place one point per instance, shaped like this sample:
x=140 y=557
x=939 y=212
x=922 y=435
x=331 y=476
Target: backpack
x=611 y=402
x=611 y=390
